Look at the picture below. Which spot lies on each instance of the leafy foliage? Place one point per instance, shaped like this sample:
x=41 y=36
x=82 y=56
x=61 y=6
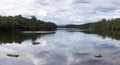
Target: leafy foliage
x=113 y=24
x=21 y=23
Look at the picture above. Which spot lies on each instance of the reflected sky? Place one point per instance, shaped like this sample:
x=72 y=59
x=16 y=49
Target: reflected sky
x=63 y=48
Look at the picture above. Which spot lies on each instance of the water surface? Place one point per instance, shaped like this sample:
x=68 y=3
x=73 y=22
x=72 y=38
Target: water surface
x=63 y=47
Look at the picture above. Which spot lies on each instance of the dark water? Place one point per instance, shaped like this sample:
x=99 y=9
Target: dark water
x=63 y=47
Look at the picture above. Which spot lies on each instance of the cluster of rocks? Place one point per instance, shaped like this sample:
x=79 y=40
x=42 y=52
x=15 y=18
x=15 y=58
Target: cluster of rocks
x=16 y=55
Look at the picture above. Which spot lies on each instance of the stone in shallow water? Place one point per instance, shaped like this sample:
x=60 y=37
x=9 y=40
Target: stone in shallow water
x=98 y=55
x=12 y=55
x=36 y=43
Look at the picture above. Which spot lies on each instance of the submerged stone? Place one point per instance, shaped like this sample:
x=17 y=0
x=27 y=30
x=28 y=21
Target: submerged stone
x=12 y=55
x=98 y=56
x=36 y=43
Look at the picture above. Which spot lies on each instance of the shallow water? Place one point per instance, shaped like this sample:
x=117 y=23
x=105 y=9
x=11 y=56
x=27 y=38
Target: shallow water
x=60 y=48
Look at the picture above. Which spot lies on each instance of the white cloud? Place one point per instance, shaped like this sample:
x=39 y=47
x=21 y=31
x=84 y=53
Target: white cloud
x=67 y=11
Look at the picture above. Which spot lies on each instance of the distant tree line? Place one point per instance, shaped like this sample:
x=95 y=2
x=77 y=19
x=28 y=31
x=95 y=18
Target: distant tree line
x=22 y=23
x=113 y=24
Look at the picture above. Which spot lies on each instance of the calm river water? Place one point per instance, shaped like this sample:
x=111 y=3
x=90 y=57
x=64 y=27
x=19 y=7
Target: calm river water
x=62 y=47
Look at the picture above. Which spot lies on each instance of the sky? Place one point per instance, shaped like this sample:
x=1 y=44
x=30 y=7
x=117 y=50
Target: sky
x=62 y=11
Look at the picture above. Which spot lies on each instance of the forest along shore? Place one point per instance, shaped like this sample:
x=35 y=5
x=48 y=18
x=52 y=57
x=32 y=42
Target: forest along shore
x=102 y=25
x=22 y=23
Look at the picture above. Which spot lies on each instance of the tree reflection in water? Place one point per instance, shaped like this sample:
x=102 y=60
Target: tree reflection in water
x=109 y=33
x=19 y=37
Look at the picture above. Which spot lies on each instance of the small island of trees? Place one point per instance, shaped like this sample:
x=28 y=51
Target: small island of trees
x=22 y=23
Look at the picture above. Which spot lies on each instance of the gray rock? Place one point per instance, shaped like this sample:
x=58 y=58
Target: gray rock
x=98 y=56
x=36 y=43
x=12 y=55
